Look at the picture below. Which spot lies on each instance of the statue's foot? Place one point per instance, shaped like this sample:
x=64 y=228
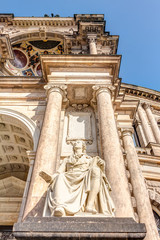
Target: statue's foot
x=59 y=212
x=90 y=210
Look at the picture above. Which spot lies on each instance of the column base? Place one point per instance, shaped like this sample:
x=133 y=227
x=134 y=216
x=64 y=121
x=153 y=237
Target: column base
x=78 y=228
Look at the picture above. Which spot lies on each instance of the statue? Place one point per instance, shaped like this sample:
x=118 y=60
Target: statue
x=79 y=185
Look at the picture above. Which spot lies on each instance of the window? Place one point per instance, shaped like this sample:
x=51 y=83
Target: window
x=157 y=219
x=136 y=138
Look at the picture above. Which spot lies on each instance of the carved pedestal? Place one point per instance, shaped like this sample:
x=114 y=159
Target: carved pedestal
x=79 y=228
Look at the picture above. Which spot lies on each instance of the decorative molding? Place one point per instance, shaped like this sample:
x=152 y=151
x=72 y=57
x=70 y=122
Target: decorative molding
x=127 y=132
x=151 y=95
x=145 y=105
x=92 y=38
x=5 y=48
x=21 y=82
x=37 y=21
x=154 y=192
x=79 y=107
x=97 y=89
x=57 y=88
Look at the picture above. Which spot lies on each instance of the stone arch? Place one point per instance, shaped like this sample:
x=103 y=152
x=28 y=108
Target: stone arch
x=18 y=134
x=35 y=35
x=27 y=122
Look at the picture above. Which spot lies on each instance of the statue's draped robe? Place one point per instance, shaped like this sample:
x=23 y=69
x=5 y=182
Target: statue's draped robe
x=71 y=185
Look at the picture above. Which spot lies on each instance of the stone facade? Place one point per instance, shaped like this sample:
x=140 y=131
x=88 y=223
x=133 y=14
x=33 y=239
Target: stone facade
x=59 y=83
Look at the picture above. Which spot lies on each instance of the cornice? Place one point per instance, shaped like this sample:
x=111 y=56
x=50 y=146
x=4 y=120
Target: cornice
x=38 y=21
x=21 y=82
x=141 y=92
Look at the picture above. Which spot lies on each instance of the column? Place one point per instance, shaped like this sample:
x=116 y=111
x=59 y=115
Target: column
x=46 y=156
x=31 y=157
x=112 y=154
x=153 y=122
x=92 y=44
x=139 y=188
x=146 y=128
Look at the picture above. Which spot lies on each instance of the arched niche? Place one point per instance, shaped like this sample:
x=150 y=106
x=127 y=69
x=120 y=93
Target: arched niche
x=18 y=134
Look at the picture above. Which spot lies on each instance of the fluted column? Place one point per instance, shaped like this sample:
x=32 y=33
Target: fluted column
x=146 y=128
x=92 y=44
x=139 y=188
x=46 y=155
x=153 y=122
x=112 y=154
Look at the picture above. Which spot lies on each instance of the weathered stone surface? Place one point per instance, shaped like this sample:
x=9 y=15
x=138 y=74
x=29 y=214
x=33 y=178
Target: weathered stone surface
x=79 y=228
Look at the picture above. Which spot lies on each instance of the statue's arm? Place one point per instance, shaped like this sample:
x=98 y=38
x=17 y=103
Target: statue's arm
x=100 y=163
x=62 y=167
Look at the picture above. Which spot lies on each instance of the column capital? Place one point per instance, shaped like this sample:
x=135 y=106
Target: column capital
x=31 y=156
x=92 y=38
x=127 y=132
x=56 y=88
x=145 y=105
x=137 y=122
x=102 y=88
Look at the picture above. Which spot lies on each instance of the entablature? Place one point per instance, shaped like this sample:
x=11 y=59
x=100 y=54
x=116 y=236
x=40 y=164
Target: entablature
x=21 y=82
x=140 y=92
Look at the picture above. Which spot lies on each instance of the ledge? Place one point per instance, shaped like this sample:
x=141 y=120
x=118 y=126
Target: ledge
x=79 y=228
x=21 y=82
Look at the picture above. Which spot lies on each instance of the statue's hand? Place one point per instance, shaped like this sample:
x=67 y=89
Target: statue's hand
x=100 y=163
x=47 y=177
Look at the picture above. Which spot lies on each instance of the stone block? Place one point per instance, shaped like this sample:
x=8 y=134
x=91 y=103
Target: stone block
x=79 y=228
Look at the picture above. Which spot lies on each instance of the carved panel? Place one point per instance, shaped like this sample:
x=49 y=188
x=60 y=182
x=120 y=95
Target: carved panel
x=154 y=193
x=79 y=123
x=79 y=127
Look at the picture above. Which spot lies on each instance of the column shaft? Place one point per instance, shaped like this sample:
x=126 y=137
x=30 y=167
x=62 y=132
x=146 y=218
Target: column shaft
x=46 y=152
x=92 y=44
x=112 y=154
x=93 y=48
x=153 y=122
x=146 y=128
x=139 y=188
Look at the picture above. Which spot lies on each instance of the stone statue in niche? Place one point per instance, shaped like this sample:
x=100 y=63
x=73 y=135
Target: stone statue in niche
x=79 y=186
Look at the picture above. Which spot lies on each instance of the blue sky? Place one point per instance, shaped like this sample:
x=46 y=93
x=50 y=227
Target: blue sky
x=137 y=22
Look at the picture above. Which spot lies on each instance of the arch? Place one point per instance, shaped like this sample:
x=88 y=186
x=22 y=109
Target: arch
x=18 y=134
x=27 y=48
x=35 y=36
x=26 y=122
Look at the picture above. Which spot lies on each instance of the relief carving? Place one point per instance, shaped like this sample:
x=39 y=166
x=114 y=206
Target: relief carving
x=154 y=192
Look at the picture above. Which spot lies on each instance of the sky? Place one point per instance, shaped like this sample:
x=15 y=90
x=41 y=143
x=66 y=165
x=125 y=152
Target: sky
x=137 y=22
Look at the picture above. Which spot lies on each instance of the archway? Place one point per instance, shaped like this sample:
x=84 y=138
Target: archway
x=18 y=134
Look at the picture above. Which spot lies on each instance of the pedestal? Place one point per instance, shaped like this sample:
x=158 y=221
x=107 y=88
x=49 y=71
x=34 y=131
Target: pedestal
x=79 y=228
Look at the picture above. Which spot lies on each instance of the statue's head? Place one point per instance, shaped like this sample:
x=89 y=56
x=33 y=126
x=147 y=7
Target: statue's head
x=79 y=145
